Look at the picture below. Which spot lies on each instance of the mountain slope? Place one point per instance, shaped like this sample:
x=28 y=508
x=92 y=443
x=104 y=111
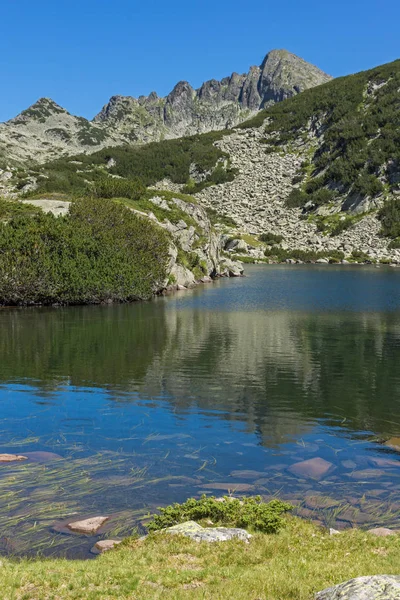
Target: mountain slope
x=46 y=131
x=321 y=169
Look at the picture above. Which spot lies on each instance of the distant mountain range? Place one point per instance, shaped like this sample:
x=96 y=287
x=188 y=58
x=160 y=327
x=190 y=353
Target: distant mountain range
x=47 y=131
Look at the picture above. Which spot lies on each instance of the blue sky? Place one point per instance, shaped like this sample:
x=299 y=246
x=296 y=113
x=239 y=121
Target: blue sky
x=81 y=52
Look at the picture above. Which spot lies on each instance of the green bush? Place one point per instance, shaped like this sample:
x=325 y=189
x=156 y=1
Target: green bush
x=296 y=199
x=270 y=238
x=250 y=513
x=321 y=196
x=100 y=252
x=389 y=216
x=341 y=226
x=395 y=244
x=110 y=187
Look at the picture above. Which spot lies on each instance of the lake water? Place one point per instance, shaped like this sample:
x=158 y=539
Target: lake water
x=227 y=388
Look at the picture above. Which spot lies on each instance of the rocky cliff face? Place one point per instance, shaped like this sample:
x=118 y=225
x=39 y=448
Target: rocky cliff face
x=215 y=105
x=46 y=131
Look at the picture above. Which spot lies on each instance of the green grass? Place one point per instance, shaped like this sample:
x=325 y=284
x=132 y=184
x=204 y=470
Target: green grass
x=291 y=565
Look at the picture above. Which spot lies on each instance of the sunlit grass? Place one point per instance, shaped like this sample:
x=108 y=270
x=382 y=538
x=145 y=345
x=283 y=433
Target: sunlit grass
x=291 y=565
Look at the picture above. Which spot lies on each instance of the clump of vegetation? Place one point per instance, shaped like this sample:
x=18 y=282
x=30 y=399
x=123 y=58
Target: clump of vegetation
x=250 y=513
x=360 y=256
x=99 y=252
x=270 y=238
x=280 y=255
x=150 y=163
x=342 y=225
x=111 y=187
x=297 y=199
x=389 y=216
x=14 y=208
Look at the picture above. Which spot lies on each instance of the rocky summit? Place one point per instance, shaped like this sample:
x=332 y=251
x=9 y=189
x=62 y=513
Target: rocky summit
x=215 y=105
x=46 y=130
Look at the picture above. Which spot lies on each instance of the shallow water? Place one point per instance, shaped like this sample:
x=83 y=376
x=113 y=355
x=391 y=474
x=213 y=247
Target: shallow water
x=217 y=390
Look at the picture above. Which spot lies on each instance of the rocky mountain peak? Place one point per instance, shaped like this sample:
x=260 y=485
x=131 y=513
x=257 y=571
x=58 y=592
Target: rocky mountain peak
x=41 y=110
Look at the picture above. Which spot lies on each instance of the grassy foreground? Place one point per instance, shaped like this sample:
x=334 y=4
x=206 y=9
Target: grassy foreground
x=291 y=565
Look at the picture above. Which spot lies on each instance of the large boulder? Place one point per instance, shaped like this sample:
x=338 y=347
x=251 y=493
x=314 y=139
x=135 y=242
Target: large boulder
x=375 y=587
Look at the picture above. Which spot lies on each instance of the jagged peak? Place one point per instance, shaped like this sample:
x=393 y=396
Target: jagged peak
x=279 y=56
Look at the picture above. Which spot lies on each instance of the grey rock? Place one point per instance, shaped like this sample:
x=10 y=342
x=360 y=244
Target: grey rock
x=208 y=534
x=376 y=587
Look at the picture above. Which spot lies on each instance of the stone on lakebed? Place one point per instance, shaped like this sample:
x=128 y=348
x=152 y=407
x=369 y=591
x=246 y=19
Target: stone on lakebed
x=104 y=545
x=196 y=532
x=6 y=458
x=314 y=468
x=87 y=526
x=393 y=443
x=42 y=456
x=375 y=587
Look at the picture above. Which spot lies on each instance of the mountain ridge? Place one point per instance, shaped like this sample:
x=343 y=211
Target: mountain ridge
x=46 y=131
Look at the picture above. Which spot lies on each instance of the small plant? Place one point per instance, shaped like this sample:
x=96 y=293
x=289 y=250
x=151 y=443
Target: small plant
x=296 y=199
x=270 y=238
x=247 y=512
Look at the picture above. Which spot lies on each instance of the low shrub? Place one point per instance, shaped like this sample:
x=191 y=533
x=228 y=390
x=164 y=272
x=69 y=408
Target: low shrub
x=270 y=238
x=389 y=216
x=99 y=252
x=112 y=187
x=250 y=513
x=296 y=199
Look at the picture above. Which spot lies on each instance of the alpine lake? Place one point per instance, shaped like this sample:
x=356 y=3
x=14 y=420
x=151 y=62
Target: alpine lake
x=284 y=383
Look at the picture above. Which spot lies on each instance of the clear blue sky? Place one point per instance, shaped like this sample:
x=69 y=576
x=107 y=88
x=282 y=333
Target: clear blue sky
x=81 y=52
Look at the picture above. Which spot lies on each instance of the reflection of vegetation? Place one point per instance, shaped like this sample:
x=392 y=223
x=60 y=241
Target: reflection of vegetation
x=272 y=370
x=103 y=346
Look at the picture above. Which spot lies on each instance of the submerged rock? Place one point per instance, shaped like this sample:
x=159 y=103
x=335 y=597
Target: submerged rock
x=198 y=533
x=87 y=526
x=6 y=458
x=104 y=545
x=376 y=587
x=314 y=468
x=42 y=456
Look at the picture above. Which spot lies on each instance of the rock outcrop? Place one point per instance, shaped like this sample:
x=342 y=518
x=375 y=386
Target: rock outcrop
x=376 y=587
x=215 y=105
x=196 y=532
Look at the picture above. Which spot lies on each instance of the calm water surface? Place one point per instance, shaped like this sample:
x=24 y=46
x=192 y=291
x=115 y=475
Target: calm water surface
x=215 y=390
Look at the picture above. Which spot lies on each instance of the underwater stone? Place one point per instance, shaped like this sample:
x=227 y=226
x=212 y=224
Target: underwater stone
x=87 y=526
x=376 y=587
x=314 y=468
x=6 y=458
x=104 y=545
